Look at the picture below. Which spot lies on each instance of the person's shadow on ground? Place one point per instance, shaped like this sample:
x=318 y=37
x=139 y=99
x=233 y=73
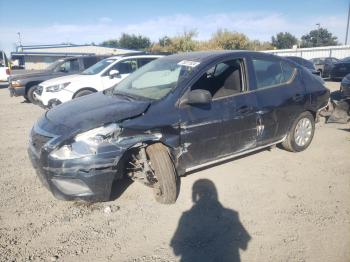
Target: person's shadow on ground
x=208 y=231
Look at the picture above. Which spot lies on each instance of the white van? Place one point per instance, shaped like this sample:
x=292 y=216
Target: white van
x=98 y=77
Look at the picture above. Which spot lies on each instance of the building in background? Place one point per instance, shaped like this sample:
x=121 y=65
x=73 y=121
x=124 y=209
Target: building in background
x=40 y=56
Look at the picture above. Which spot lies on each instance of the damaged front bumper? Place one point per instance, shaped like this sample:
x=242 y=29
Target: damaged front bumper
x=89 y=178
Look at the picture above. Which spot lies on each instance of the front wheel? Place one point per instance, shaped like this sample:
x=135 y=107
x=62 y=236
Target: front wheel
x=83 y=93
x=301 y=133
x=165 y=189
x=30 y=94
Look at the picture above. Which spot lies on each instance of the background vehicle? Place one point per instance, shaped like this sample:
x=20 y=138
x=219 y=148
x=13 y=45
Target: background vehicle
x=340 y=69
x=345 y=86
x=4 y=69
x=324 y=65
x=176 y=114
x=305 y=63
x=25 y=84
x=98 y=77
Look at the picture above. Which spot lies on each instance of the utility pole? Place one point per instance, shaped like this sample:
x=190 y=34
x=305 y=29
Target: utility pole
x=318 y=33
x=19 y=40
x=347 y=26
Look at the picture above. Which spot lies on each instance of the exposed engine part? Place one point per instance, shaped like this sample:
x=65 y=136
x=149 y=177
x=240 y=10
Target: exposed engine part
x=140 y=168
x=337 y=111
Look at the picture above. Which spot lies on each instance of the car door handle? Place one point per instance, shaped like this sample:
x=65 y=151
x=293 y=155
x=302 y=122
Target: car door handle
x=298 y=97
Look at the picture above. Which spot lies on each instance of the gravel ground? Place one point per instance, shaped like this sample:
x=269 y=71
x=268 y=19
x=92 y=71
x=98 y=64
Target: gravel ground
x=272 y=206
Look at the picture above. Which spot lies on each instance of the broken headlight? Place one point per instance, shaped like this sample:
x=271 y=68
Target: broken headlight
x=87 y=143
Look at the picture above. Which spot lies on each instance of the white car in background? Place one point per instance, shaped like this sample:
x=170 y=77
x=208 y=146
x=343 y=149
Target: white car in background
x=98 y=77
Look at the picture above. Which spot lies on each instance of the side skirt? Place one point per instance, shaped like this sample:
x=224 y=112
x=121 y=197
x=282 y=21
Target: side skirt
x=233 y=156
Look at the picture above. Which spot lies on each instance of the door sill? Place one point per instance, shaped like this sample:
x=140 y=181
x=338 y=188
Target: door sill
x=233 y=156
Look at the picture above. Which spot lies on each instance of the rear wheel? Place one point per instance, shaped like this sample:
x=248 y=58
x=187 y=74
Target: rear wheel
x=301 y=133
x=165 y=188
x=83 y=93
x=30 y=94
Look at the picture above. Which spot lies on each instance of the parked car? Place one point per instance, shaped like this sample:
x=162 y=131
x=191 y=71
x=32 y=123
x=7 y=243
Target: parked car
x=25 y=84
x=340 y=69
x=4 y=69
x=98 y=77
x=305 y=63
x=174 y=115
x=324 y=65
x=345 y=86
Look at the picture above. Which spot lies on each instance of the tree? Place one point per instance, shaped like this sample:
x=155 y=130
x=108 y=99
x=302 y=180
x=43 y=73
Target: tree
x=318 y=37
x=134 y=42
x=260 y=46
x=284 y=40
x=111 y=43
x=228 y=40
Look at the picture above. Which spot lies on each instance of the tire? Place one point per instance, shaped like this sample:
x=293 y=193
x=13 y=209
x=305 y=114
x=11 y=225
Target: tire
x=165 y=190
x=83 y=93
x=30 y=94
x=292 y=143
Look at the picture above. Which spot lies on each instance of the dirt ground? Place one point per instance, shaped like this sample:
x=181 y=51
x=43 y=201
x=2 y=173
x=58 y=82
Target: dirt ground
x=272 y=206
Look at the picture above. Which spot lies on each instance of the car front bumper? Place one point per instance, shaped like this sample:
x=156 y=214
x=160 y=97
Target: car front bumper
x=50 y=99
x=89 y=179
x=17 y=91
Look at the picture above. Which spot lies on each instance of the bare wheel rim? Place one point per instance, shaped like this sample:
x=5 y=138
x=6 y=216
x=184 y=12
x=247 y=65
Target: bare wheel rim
x=303 y=131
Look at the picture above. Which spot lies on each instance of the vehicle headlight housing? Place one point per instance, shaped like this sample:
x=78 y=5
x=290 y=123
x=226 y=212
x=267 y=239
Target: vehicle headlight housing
x=16 y=83
x=87 y=143
x=56 y=88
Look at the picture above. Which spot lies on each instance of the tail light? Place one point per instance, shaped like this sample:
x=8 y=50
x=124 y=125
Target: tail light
x=8 y=71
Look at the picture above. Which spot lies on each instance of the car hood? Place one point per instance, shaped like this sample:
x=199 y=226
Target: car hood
x=92 y=111
x=36 y=73
x=63 y=79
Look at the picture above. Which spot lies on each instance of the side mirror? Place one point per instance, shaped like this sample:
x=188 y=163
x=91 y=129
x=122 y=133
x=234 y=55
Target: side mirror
x=114 y=73
x=198 y=96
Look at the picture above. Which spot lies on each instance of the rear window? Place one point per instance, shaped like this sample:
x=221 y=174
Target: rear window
x=270 y=73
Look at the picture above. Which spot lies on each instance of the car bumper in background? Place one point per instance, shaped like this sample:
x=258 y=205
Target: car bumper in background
x=345 y=89
x=17 y=91
x=50 y=99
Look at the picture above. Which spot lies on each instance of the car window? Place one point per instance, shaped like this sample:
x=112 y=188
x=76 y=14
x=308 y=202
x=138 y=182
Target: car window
x=89 y=61
x=126 y=66
x=223 y=79
x=334 y=60
x=143 y=61
x=69 y=66
x=270 y=73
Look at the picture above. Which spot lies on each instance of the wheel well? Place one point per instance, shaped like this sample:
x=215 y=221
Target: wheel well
x=313 y=113
x=83 y=89
x=30 y=84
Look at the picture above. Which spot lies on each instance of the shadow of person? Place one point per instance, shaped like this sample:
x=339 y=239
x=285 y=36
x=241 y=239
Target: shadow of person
x=208 y=231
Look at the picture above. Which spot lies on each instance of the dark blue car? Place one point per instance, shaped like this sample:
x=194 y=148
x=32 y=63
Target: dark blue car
x=174 y=115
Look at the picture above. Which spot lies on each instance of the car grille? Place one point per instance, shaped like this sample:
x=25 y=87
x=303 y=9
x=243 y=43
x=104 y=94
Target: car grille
x=38 y=140
x=39 y=90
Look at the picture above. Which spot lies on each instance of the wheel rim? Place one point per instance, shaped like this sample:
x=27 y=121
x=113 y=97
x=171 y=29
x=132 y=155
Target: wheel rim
x=303 y=132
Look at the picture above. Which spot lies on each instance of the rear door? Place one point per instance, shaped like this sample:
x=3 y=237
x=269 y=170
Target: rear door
x=280 y=94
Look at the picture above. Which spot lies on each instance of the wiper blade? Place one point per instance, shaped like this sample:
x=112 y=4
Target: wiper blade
x=124 y=95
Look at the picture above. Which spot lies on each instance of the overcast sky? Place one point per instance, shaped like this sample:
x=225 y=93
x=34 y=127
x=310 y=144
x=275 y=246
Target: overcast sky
x=80 y=22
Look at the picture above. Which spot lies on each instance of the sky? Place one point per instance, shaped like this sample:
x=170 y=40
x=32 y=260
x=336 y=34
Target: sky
x=87 y=21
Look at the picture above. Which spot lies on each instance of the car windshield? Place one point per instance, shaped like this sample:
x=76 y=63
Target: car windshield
x=54 y=64
x=346 y=59
x=156 y=79
x=98 y=67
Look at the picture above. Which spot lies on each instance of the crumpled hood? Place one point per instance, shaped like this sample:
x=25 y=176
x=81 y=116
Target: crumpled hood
x=63 y=79
x=35 y=73
x=92 y=111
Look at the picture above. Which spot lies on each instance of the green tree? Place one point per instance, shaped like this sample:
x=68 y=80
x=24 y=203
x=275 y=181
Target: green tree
x=284 y=40
x=134 y=42
x=111 y=43
x=319 y=37
x=228 y=40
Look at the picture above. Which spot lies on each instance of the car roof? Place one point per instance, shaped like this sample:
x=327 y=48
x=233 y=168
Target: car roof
x=203 y=56
x=133 y=56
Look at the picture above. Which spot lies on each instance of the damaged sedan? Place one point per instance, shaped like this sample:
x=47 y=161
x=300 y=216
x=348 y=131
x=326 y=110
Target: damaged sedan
x=174 y=115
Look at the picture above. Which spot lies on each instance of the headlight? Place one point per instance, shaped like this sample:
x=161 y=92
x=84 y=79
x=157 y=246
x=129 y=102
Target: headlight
x=56 y=88
x=87 y=143
x=16 y=83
